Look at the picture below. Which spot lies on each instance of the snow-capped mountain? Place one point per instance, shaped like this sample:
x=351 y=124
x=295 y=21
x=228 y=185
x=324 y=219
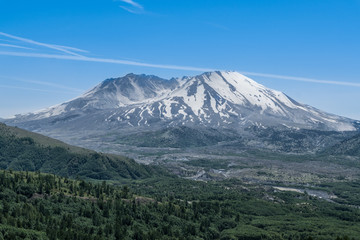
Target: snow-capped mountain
x=213 y=99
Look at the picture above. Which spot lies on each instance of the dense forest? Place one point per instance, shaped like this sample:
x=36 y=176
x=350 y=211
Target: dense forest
x=45 y=206
x=51 y=190
x=22 y=150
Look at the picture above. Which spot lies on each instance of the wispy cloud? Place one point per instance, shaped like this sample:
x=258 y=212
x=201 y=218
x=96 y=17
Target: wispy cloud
x=129 y=10
x=70 y=51
x=32 y=89
x=132 y=3
x=173 y=67
x=104 y=60
x=131 y=6
x=14 y=46
x=70 y=55
x=301 y=79
x=48 y=84
x=63 y=49
x=71 y=48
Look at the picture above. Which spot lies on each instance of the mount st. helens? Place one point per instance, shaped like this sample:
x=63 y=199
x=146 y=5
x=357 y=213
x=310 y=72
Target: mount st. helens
x=214 y=100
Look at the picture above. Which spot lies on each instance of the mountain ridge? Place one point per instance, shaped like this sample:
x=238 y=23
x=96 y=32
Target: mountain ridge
x=118 y=110
x=214 y=99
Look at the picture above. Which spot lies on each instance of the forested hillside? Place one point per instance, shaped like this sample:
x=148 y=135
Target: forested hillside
x=349 y=147
x=153 y=204
x=22 y=150
x=44 y=206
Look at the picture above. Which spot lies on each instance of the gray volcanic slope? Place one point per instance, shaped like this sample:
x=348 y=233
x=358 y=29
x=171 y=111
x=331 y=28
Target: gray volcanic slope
x=216 y=100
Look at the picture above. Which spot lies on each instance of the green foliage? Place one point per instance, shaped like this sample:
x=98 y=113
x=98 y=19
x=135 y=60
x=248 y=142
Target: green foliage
x=25 y=154
x=230 y=212
x=350 y=147
x=178 y=137
x=35 y=205
x=347 y=192
x=44 y=206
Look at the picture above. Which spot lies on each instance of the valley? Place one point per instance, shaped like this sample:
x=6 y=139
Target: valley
x=179 y=120
x=249 y=194
x=235 y=158
x=184 y=162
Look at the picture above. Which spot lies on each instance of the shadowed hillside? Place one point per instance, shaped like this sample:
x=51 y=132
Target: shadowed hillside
x=23 y=150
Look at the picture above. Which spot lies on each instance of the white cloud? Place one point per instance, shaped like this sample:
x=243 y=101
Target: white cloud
x=104 y=60
x=131 y=6
x=301 y=79
x=49 y=84
x=132 y=3
x=72 y=48
x=129 y=10
x=77 y=57
x=174 y=67
x=63 y=49
x=32 y=89
x=14 y=46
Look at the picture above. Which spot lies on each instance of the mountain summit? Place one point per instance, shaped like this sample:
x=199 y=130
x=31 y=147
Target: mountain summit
x=214 y=99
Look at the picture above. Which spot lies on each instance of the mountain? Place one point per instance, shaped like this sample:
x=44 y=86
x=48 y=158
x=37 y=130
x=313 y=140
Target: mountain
x=213 y=99
x=133 y=104
x=27 y=151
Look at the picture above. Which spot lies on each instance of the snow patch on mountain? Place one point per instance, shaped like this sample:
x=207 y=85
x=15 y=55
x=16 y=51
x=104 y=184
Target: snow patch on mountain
x=212 y=99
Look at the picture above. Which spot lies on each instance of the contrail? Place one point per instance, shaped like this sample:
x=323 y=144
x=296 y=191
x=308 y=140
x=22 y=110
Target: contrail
x=32 y=89
x=71 y=48
x=55 y=47
x=78 y=57
x=104 y=60
x=132 y=3
x=14 y=46
x=173 y=67
x=43 y=84
x=301 y=79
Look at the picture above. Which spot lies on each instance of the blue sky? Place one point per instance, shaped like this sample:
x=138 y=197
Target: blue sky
x=52 y=51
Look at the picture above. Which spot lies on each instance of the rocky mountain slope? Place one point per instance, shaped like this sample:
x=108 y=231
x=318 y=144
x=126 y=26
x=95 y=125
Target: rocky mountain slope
x=133 y=104
x=213 y=99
